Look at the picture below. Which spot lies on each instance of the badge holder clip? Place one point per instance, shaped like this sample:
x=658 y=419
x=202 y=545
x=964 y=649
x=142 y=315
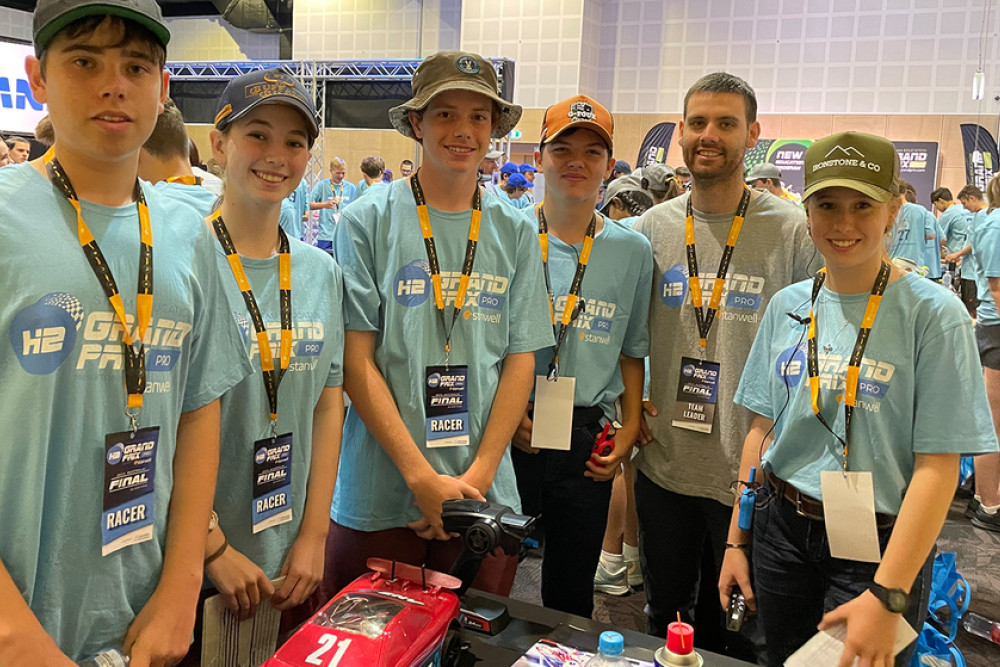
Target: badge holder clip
x=133 y=418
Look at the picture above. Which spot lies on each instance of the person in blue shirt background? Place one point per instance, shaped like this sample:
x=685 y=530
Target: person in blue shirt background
x=528 y=171
x=953 y=221
x=910 y=232
x=514 y=188
x=330 y=196
x=904 y=442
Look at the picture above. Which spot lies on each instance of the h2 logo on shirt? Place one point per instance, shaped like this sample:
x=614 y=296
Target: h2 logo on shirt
x=43 y=334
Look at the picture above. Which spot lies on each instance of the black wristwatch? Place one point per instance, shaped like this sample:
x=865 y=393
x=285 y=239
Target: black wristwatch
x=894 y=599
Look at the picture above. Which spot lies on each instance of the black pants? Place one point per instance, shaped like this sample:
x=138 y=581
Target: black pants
x=574 y=510
x=797 y=580
x=681 y=545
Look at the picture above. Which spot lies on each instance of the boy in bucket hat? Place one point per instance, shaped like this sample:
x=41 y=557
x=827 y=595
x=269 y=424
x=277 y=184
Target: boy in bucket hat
x=117 y=346
x=438 y=353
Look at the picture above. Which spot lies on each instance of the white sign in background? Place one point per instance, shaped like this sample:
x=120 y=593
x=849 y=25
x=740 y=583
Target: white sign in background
x=19 y=112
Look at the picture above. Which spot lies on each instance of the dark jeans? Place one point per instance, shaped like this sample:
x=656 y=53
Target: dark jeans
x=681 y=544
x=797 y=580
x=575 y=512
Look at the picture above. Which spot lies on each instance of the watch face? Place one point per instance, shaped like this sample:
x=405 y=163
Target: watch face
x=897 y=600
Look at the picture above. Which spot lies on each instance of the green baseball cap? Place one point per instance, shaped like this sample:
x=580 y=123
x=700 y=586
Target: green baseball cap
x=455 y=70
x=862 y=162
x=51 y=16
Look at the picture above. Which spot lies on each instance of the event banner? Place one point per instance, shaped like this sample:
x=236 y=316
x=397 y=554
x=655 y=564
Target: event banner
x=655 y=145
x=918 y=166
x=917 y=163
x=19 y=110
x=982 y=160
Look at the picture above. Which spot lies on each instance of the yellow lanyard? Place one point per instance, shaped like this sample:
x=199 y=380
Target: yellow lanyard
x=573 y=306
x=272 y=379
x=432 y=258
x=854 y=367
x=135 y=360
x=705 y=320
x=186 y=179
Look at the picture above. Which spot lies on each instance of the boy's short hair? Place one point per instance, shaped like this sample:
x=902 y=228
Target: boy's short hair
x=941 y=193
x=169 y=138
x=970 y=191
x=372 y=166
x=337 y=163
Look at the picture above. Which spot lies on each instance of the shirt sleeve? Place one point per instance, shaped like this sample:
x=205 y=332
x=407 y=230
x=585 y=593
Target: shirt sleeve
x=636 y=343
x=530 y=324
x=317 y=194
x=754 y=392
x=988 y=250
x=218 y=356
x=352 y=248
x=948 y=361
x=336 y=337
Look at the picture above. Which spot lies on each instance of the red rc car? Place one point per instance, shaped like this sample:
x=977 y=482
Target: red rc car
x=402 y=615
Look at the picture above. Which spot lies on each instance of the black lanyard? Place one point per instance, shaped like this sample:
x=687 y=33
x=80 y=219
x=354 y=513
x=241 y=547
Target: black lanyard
x=432 y=258
x=854 y=367
x=272 y=378
x=574 y=305
x=705 y=320
x=135 y=360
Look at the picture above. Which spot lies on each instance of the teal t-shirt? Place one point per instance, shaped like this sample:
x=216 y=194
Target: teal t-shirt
x=198 y=197
x=62 y=392
x=932 y=245
x=986 y=249
x=299 y=198
x=341 y=194
x=908 y=232
x=316 y=363
x=290 y=221
x=616 y=290
x=921 y=386
x=387 y=289
x=954 y=225
x=362 y=187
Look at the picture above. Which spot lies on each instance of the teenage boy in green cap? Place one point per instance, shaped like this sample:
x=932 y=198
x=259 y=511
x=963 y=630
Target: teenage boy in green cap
x=438 y=359
x=110 y=389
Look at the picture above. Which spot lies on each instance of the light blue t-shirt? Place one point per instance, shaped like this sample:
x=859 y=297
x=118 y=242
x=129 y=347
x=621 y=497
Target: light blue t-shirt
x=362 y=187
x=290 y=221
x=932 y=246
x=616 y=290
x=299 y=198
x=388 y=290
x=954 y=226
x=316 y=363
x=921 y=349
x=518 y=204
x=198 y=197
x=907 y=239
x=327 y=191
x=62 y=392
x=986 y=249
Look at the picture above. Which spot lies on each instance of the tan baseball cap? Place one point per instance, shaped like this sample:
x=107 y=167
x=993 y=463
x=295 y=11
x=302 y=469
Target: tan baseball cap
x=862 y=162
x=576 y=112
x=455 y=70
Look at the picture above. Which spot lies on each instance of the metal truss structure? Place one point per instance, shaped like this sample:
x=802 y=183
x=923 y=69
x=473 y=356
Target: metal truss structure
x=314 y=74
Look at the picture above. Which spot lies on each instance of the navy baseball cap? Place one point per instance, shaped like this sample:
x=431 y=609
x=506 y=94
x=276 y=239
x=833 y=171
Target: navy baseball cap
x=51 y=16
x=265 y=86
x=621 y=167
x=508 y=168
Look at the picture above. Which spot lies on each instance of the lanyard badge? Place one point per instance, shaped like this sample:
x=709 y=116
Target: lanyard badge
x=135 y=359
x=854 y=367
x=432 y=258
x=574 y=304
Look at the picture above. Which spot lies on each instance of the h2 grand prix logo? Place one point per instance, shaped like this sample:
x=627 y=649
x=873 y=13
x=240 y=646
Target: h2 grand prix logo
x=875 y=377
x=43 y=334
x=740 y=291
x=412 y=286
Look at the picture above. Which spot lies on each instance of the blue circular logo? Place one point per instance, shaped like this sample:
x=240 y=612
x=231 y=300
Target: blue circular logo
x=791 y=366
x=434 y=380
x=688 y=370
x=674 y=286
x=412 y=284
x=115 y=454
x=468 y=65
x=260 y=456
x=43 y=334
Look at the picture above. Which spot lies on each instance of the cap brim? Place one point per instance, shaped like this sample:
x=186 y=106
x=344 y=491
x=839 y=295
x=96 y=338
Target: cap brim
x=44 y=36
x=510 y=114
x=873 y=191
x=587 y=125
x=288 y=100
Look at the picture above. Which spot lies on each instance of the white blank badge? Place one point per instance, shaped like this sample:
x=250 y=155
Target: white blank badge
x=552 y=426
x=849 y=512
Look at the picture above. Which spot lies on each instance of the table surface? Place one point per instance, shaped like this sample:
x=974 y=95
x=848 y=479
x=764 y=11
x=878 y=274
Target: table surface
x=529 y=623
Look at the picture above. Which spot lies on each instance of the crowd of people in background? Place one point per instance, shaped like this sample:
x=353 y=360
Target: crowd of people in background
x=488 y=333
